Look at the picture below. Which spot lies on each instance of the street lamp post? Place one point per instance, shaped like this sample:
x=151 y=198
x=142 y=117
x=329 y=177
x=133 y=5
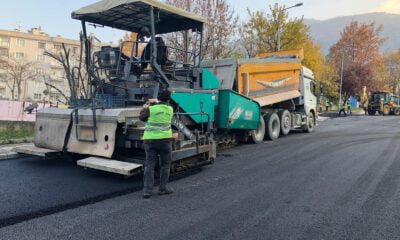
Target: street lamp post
x=278 y=37
x=341 y=79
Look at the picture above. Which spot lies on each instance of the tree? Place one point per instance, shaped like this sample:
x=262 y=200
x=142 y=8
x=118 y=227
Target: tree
x=16 y=73
x=220 y=27
x=74 y=68
x=392 y=65
x=358 y=51
x=327 y=75
x=262 y=28
x=249 y=43
x=259 y=34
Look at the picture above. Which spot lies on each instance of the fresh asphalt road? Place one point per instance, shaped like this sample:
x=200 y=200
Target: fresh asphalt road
x=341 y=182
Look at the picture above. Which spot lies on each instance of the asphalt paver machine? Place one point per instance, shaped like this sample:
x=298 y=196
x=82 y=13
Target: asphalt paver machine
x=104 y=129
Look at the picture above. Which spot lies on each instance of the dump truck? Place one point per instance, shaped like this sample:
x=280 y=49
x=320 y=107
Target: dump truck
x=279 y=83
x=215 y=102
x=385 y=103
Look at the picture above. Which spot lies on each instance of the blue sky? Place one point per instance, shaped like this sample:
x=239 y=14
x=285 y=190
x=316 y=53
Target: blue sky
x=54 y=15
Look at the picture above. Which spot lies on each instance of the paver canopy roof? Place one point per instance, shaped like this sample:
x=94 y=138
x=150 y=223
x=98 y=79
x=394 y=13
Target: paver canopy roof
x=132 y=15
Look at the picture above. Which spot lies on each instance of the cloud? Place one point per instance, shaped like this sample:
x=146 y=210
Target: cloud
x=389 y=6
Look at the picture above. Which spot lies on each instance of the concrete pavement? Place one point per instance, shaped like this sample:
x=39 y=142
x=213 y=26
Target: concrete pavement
x=7 y=150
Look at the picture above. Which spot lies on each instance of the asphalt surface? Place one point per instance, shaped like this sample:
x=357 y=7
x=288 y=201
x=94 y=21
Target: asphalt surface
x=341 y=182
x=32 y=187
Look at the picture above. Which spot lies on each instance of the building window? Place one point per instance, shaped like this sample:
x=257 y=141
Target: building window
x=54 y=97
x=20 y=55
x=3 y=52
x=41 y=45
x=40 y=58
x=20 y=42
x=74 y=50
x=37 y=96
x=4 y=42
x=2 y=92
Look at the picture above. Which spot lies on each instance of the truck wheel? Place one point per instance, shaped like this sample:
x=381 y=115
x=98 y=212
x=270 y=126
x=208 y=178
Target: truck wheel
x=273 y=126
x=309 y=127
x=286 y=121
x=257 y=136
x=371 y=112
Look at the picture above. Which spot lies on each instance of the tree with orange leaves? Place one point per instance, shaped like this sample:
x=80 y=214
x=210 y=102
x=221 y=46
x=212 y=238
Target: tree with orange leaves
x=358 y=52
x=392 y=63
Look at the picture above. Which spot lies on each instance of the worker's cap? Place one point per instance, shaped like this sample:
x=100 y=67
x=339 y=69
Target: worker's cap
x=164 y=96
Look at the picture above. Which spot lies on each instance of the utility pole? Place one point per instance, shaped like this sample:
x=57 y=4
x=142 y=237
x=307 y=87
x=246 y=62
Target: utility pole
x=186 y=41
x=278 y=37
x=341 y=79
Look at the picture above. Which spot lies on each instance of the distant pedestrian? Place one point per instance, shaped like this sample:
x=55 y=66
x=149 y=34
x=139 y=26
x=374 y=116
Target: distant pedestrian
x=349 y=106
x=342 y=108
x=327 y=106
x=157 y=142
x=365 y=107
x=382 y=108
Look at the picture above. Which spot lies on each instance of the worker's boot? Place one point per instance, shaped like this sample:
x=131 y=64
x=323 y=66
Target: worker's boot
x=165 y=191
x=147 y=195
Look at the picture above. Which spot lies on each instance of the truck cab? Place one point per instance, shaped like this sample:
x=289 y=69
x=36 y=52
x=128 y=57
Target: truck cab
x=308 y=91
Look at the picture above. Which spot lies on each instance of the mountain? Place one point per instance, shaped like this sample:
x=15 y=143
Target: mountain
x=327 y=32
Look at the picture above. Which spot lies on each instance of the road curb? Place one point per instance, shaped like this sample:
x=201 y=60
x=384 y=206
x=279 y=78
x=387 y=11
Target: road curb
x=16 y=141
x=9 y=155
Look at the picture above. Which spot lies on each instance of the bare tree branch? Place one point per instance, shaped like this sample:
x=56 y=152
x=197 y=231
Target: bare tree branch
x=58 y=90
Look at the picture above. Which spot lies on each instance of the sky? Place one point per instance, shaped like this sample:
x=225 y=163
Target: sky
x=54 y=16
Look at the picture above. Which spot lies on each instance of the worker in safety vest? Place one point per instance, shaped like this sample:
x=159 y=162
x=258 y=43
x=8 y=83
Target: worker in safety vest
x=157 y=139
x=349 y=106
x=342 y=107
x=327 y=104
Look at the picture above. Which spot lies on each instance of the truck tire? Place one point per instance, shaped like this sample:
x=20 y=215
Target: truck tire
x=309 y=127
x=257 y=135
x=286 y=121
x=273 y=126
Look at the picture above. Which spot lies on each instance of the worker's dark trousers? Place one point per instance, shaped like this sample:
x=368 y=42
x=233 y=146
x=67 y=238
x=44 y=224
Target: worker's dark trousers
x=154 y=152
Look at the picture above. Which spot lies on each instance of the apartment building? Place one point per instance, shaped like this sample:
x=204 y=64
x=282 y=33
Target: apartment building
x=30 y=47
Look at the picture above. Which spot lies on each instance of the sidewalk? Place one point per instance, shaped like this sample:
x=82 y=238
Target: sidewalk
x=7 y=150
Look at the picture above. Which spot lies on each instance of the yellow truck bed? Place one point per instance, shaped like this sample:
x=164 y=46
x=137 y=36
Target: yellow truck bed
x=268 y=78
x=269 y=82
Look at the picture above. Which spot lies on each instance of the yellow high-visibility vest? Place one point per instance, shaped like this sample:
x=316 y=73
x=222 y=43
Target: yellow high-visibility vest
x=158 y=125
